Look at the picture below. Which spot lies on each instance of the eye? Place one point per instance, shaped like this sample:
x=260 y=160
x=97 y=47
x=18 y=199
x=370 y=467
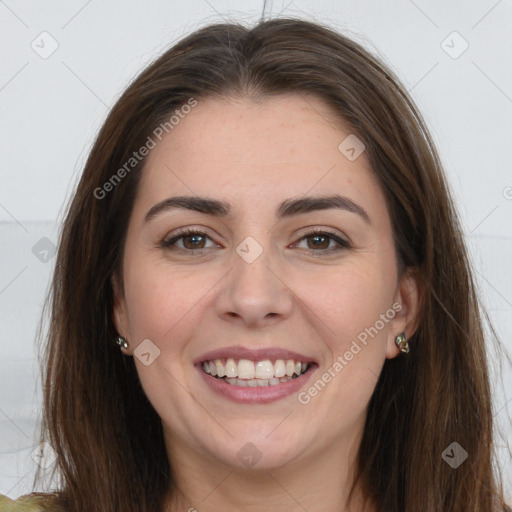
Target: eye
x=321 y=240
x=192 y=240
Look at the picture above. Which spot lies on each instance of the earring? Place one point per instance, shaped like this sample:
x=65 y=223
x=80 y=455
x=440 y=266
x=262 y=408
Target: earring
x=121 y=342
x=401 y=343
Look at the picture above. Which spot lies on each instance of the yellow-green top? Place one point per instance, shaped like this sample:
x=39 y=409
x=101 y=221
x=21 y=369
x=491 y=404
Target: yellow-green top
x=34 y=502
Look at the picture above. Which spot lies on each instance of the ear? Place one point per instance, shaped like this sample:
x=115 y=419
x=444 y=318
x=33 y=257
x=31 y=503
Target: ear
x=119 y=314
x=406 y=304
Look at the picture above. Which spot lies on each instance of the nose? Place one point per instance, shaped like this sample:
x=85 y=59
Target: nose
x=255 y=293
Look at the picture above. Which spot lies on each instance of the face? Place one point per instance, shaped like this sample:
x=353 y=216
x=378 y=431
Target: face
x=254 y=287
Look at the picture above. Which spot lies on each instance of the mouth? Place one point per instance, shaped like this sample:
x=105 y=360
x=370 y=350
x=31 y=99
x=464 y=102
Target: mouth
x=255 y=374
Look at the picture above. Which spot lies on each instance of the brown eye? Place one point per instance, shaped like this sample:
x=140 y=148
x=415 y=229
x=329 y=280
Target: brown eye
x=195 y=241
x=191 y=241
x=318 y=241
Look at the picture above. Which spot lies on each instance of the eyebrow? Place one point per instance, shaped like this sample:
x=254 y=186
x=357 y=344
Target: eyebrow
x=287 y=208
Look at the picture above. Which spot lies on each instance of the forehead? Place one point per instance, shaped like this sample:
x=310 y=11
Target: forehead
x=269 y=149
x=282 y=126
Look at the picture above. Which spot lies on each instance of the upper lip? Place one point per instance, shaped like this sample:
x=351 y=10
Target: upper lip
x=258 y=354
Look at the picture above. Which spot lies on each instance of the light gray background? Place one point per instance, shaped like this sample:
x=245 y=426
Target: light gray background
x=51 y=109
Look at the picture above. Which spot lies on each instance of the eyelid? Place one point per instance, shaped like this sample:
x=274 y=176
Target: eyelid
x=168 y=240
x=312 y=230
x=342 y=241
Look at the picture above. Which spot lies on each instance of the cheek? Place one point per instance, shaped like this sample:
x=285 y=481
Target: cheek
x=349 y=305
x=167 y=305
x=157 y=299
x=349 y=299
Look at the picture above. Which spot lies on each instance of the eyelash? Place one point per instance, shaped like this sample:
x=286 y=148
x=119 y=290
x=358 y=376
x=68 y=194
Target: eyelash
x=342 y=244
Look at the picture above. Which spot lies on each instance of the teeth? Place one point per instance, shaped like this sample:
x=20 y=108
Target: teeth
x=231 y=368
x=246 y=369
x=219 y=367
x=252 y=374
x=256 y=383
x=264 y=369
x=279 y=368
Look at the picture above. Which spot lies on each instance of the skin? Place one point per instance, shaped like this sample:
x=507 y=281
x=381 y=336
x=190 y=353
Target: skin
x=254 y=155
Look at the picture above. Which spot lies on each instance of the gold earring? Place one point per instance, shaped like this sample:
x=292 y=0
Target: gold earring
x=121 y=342
x=401 y=343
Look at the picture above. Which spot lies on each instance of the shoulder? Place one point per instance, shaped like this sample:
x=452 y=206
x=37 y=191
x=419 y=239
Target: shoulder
x=34 y=502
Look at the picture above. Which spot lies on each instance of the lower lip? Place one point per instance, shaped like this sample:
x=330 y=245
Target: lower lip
x=257 y=395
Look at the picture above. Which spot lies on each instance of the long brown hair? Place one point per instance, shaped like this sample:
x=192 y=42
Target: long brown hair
x=108 y=438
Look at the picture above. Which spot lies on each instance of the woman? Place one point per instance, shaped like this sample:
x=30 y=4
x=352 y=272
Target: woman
x=262 y=298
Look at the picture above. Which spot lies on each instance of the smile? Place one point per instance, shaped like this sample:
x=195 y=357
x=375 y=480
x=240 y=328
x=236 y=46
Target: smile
x=247 y=373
